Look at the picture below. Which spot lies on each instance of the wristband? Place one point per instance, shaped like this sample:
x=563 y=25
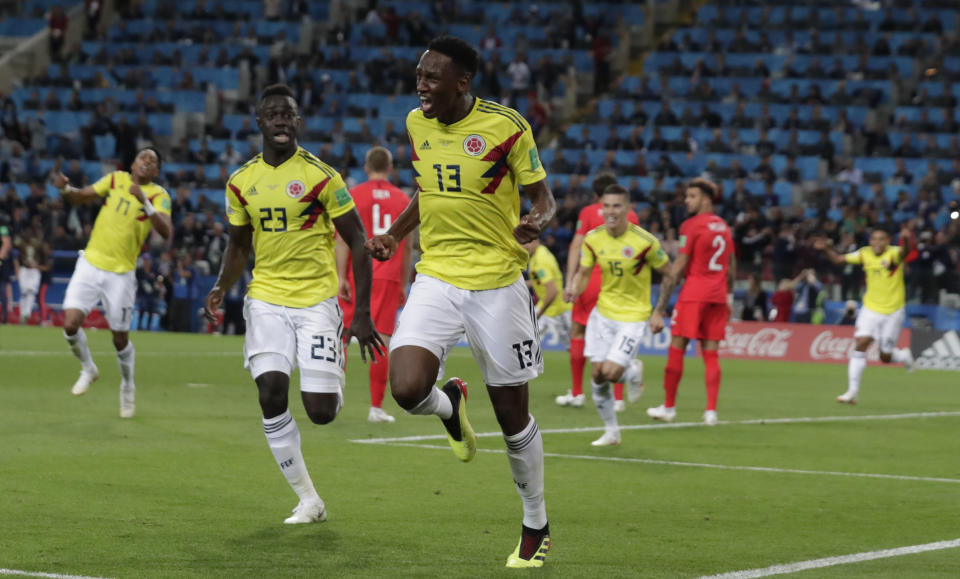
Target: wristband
x=148 y=208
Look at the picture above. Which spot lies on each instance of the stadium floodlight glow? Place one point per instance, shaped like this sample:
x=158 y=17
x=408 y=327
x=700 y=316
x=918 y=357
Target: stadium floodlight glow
x=955 y=215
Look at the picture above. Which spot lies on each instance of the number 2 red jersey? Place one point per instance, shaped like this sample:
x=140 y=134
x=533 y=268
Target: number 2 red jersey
x=379 y=204
x=706 y=239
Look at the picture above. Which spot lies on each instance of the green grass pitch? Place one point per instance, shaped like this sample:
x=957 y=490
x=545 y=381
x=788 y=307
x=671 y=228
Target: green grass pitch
x=188 y=488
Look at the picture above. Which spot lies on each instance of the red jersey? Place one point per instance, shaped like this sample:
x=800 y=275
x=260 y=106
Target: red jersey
x=707 y=241
x=379 y=204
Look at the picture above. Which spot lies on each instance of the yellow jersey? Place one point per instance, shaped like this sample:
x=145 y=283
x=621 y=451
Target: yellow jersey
x=623 y=260
x=886 y=292
x=290 y=208
x=122 y=226
x=544 y=269
x=468 y=175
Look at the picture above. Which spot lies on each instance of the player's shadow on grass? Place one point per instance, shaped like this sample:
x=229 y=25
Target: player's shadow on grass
x=276 y=539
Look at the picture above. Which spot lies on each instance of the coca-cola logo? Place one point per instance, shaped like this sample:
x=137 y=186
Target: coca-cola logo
x=764 y=343
x=826 y=346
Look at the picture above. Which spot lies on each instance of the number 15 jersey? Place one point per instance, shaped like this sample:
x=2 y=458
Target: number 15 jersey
x=291 y=209
x=707 y=241
x=468 y=175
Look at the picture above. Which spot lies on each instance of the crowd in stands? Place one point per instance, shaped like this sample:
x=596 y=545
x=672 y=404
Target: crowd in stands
x=826 y=118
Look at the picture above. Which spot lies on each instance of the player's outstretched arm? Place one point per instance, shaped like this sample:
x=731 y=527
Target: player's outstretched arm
x=672 y=274
x=382 y=247
x=548 y=297
x=573 y=256
x=543 y=207
x=906 y=237
x=350 y=228
x=73 y=194
x=577 y=285
x=234 y=263
x=820 y=244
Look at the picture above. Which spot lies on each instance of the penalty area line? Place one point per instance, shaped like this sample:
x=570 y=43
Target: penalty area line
x=660 y=425
x=832 y=561
x=20 y=573
x=704 y=465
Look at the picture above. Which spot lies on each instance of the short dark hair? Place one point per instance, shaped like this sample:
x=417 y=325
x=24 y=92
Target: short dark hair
x=278 y=89
x=601 y=181
x=460 y=52
x=706 y=187
x=156 y=152
x=617 y=190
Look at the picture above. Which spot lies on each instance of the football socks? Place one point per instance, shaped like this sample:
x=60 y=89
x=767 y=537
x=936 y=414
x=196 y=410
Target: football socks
x=283 y=436
x=525 y=452
x=80 y=349
x=125 y=359
x=672 y=376
x=603 y=398
x=858 y=361
x=712 y=362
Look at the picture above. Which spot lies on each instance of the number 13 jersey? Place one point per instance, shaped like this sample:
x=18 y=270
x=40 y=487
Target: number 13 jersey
x=291 y=209
x=707 y=241
x=468 y=175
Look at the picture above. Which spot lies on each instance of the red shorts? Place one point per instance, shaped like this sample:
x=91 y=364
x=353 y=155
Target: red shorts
x=587 y=300
x=385 y=296
x=700 y=320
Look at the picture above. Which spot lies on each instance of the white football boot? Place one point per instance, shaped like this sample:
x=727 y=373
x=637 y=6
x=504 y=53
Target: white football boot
x=662 y=413
x=569 y=399
x=608 y=439
x=379 y=415
x=84 y=381
x=307 y=512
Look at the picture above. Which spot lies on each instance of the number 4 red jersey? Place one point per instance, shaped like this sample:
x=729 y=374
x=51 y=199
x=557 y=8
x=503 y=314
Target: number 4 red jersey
x=379 y=204
x=707 y=241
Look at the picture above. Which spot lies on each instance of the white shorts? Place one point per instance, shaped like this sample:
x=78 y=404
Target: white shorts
x=500 y=325
x=279 y=339
x=611 y=340
x=117 y=291
x=883 y=328
x=29 y=280
x=555 y=329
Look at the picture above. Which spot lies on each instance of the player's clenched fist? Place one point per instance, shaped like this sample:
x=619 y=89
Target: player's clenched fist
x=527 y=230
x=212 y=304
x=381 y=247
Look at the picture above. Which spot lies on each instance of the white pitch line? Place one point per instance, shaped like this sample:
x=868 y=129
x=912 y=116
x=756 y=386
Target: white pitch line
x=703 y=464
x=840 y=560
x=38 y=574
x=659 y=425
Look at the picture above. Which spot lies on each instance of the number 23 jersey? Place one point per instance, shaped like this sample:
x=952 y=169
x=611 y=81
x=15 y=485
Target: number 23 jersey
x=468 y=174
x=291 y=209
x=707 y=241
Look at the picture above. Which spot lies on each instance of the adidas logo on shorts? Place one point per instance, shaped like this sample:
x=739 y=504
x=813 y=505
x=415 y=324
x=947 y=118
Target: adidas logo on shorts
x=943 y=353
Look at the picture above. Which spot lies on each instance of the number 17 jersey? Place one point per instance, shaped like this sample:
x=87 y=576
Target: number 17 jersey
x=707 y=241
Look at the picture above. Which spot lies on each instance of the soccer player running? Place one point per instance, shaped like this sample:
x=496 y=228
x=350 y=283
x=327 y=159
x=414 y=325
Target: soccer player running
x=707 y=260
x=471 y=156
x=590 y=218
x=379 y=204
x=623 y=251
x=284 y=205
x=106 y=269
x=553 y=314
x=881 y=317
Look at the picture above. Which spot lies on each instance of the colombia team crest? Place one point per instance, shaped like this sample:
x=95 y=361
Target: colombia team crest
x=474 y=145
x=628 y=252
x=296 y=189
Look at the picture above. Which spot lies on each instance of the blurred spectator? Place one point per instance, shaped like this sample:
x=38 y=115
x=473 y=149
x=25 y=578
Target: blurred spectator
x=782 y=301
x=755 y=301
x=181 y=314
